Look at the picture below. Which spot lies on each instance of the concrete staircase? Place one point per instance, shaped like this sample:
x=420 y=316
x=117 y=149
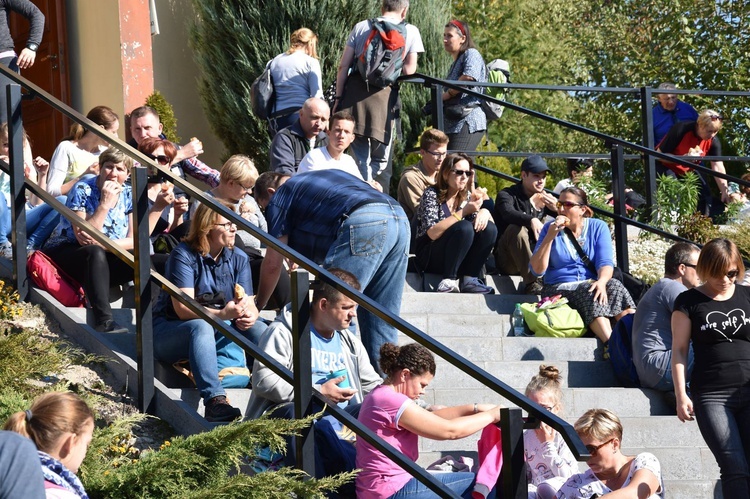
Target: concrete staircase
x=476 y=327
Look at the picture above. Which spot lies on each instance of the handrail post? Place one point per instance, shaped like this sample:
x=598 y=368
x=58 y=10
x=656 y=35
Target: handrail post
x=618 y=188
x=513 y=474
x=437 y=107
x=17 y=189
x=302 y=367
x=649 y=163
x=144 y=332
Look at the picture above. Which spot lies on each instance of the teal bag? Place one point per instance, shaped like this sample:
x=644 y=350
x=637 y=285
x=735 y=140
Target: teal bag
x=555 y=320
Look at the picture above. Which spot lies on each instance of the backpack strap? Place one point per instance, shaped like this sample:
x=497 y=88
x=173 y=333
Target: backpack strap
x=584 y=257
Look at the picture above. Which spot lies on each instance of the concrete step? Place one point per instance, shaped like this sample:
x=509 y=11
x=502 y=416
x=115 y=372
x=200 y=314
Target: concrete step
x=462 y=303
x=503 y=284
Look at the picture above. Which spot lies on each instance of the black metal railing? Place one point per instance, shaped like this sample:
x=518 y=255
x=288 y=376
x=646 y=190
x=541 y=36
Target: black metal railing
x=513 y=479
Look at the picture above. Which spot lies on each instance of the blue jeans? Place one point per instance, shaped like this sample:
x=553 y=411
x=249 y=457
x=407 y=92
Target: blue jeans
x=374 y=160
x=41 y=220
x=460 y=482
x=372 y=244
x=666 y=384
x=195 y=340
x=724 y=421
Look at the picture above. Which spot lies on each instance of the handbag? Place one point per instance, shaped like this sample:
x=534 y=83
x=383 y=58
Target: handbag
x=46 y=275
x=555 y=319
x=636 y=287
x=454 y=110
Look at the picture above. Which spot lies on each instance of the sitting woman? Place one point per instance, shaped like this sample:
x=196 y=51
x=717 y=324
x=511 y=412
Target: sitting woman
x=206 y=266
x=166 y=205
x=106 y=202
x=390 y=411
x=609 y=469
x=548 y=458
x=596 y=296
x=237 y=179
x=455 y=230
x=41 y=219
x=76 y=157
x=61 y=426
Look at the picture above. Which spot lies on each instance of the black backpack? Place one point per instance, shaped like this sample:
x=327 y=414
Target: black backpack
x=383 y=56
x=263 y=94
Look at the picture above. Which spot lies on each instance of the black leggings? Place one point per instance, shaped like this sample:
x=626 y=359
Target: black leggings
x=96 y=269
x=460 y=251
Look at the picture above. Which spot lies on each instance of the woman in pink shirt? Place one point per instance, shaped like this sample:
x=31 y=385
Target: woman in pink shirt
x=390 y=411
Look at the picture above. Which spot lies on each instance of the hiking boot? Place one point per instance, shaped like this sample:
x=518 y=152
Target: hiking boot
x=218 y=410
x=476 y=285
x=448 y=286
x=533 y=288
x=6 y=250
x=110 y=326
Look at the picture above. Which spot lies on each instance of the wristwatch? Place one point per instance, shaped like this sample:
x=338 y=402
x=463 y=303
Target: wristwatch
x=32 y=46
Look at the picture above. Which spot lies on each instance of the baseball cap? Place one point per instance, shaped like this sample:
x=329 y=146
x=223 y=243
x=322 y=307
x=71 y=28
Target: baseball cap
x=534 y=164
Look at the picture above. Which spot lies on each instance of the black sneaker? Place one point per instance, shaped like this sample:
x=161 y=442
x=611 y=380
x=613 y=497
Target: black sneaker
x=218 y=410
x=110 y=326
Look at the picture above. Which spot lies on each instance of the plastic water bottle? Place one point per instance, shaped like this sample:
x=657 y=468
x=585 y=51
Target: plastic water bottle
x=517 y=321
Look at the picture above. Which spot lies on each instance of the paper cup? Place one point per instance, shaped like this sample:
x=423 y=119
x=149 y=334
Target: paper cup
x=338 y=374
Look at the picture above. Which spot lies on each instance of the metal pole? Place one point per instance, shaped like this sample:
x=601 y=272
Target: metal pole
x=302 y=367
x=144 y=332
x=437 y=108
x=513 y=474
x=649 y=163
x=618 y=189
x=17 y=189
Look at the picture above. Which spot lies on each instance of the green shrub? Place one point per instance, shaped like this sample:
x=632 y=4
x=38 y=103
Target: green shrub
x=697 y=228
x=675 y=200
x=166 y=115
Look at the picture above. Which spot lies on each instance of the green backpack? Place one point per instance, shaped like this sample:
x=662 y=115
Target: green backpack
x=555 y=320
x=498 y=71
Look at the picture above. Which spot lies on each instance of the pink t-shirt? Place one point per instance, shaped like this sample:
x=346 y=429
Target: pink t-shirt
x=380 y=477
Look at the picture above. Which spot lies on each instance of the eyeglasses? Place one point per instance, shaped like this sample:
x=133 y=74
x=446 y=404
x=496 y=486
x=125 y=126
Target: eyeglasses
x=161 y=159
x=248 y=188
x=691 y=265
x=716 y=117
x=465 y=173
x=437 y=154
x=732 y=274
x=227 y=225
x=550 y=408
x=567 y=204
x=594 y=449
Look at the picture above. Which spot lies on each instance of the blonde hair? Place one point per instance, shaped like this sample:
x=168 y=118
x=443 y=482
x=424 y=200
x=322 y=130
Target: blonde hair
x=548 y=380
x=307 y=39
x=201 y=224
x=51 y=416
x=599 y=424
x=710 y=120
x=239 y=168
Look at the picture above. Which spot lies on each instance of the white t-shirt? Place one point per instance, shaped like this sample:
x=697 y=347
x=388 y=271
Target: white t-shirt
x=361 y=30
x=320 y=159
x=585 y=485
x=566 y=182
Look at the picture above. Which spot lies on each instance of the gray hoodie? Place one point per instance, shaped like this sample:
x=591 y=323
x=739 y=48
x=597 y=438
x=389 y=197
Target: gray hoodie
x=270 y=390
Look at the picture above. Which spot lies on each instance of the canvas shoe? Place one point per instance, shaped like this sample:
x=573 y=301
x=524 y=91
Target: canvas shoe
x=476 y=285
x=448 y=286
x=6 y=250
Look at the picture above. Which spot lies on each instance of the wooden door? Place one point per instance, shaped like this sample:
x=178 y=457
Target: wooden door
x=46 y=127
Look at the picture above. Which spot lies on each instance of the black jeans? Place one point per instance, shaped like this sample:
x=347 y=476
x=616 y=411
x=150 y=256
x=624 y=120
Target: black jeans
x=460 y=251
x=96 y=269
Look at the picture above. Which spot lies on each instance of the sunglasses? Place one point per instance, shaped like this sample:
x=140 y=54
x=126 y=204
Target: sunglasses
x=161 y=159
x=567 y=204
x=716 y=117
x=227 y=225
x=691 y=265
x=594 y=449
x=732 y=274
x=465 y=173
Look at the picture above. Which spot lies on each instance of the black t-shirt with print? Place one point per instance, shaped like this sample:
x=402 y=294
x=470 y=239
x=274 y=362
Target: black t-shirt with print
x=720 y=332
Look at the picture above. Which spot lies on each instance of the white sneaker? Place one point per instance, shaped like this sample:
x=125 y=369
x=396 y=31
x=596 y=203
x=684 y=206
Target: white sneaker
x=476 y=285
x=6 y=250
x=448 y=286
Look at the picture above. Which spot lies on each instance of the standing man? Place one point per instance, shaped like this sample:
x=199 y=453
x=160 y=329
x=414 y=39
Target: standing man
x=374 y=108
x=337 y=220
x=433 y=147
x=652 y=322
x=519 y=211
x=292 y=143
x=668 y=111
x=8 y=57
